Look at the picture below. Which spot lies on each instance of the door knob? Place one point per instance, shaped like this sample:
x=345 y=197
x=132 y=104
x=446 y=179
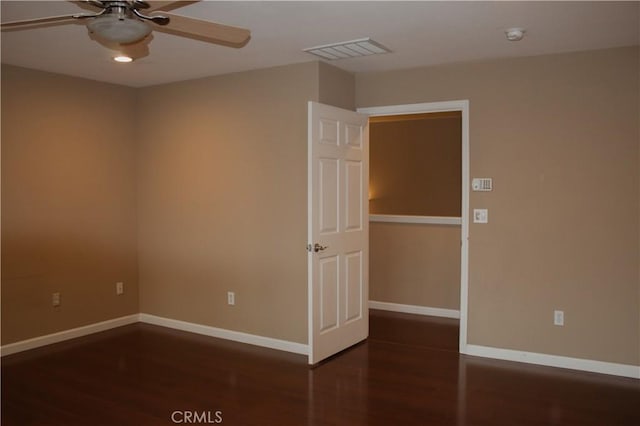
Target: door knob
x=316 y=248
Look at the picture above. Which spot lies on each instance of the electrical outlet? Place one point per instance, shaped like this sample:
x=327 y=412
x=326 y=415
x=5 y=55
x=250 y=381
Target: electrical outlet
x=558 y=318
x=119 y=288
x=55 y=299
x=231 y=298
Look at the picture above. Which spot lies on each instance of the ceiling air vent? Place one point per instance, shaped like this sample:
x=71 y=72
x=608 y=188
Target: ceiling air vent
x=348 y=49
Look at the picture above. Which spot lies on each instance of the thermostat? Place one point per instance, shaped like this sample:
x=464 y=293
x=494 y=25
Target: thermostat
x=482 y=184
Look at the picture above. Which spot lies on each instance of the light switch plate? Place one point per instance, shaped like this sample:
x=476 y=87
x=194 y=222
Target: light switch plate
x=480 y=216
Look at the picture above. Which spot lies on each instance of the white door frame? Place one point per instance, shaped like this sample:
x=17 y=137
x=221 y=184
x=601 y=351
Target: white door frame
x=463 y=107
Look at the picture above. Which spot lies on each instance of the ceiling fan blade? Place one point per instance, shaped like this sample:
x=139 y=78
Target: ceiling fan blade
x=206 y=31
x=86 y=5
x=37 y=23
x=167 y=5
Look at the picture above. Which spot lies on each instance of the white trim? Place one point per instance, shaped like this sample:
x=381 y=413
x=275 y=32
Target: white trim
x=414 y=108
x=61 y=336
x=594 y=366
x=236 y=336
x=464 y=238
x=624 y=370
x=463 y=107
x=310 y=241
x=426 y=220
x=414 y=309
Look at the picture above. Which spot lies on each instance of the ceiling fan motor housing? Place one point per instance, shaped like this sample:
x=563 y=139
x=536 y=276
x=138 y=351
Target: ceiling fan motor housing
x=118 y=24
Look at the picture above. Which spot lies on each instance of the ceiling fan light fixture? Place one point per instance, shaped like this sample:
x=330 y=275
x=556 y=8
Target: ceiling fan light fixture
x=119 y=30
x=123 y=59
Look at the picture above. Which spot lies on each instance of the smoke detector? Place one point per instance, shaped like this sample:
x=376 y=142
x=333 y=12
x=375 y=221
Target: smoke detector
x=514 y=34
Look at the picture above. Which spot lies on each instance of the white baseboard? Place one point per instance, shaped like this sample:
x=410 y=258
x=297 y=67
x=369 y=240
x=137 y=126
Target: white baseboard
x=236 y=336
x=593 y=366
x=61 y=336
x=414 y=309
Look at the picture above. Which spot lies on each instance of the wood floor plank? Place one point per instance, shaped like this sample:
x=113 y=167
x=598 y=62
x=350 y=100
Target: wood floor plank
x=407 y=373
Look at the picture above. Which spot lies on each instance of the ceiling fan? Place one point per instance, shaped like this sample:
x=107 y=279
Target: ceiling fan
x=126 y=25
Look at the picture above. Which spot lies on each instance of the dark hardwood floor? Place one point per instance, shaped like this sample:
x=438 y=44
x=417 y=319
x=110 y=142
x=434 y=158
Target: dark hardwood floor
x=407 y=373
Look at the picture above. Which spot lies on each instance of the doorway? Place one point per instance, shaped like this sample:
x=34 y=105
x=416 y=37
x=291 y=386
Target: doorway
x=448 y=227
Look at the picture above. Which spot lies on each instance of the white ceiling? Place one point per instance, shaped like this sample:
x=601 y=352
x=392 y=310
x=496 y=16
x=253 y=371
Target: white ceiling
x=419 y=33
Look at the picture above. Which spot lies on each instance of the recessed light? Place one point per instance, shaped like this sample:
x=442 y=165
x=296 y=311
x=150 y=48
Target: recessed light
x=123 y=59
x=514 y=34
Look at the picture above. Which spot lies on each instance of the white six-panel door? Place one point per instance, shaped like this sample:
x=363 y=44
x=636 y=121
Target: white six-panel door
x=338 y=230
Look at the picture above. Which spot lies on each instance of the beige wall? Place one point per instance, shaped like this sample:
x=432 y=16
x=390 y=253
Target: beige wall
x=68 y=202
x=415 y=169
x=559 y=135
x=222 y=205
x=415 y=264
x=416 y=166
x=223 y=200
x=209 y=174
x=336 y=87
